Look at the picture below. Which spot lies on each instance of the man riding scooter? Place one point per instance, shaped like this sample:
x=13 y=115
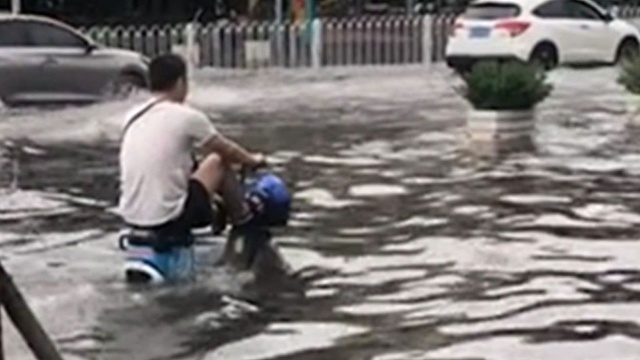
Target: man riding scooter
x=162 y=197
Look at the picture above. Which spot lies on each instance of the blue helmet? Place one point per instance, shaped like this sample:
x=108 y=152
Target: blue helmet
x=274 y=199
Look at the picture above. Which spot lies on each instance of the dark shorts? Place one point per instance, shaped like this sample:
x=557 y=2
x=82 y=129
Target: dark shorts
x=197 y=212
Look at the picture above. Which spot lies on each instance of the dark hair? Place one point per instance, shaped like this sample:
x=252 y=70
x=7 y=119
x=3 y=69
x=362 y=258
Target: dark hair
x=165 y=70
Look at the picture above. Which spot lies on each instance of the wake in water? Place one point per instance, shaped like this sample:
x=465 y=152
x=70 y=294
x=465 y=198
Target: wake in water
x=402 y=247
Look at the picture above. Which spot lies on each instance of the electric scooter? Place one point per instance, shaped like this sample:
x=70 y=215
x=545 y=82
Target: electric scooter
x=154 y=258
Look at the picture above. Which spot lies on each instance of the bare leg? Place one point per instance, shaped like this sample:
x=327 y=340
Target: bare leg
x=219 y=178
x=233 y=197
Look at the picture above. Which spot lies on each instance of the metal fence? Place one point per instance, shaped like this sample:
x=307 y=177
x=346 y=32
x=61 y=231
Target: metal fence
x=320 y=43
x=150 y=41
x=323 y=42
x=627 y=11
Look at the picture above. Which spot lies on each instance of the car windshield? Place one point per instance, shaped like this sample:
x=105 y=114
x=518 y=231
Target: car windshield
x=491 y=11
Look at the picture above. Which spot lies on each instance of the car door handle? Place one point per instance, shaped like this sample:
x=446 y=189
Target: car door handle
x=585 y=27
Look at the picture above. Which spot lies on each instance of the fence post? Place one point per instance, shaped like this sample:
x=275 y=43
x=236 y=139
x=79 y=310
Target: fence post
x=188 y=48
x=278 y=11
x=427 y=39
x=281 y=33
x=1 y=335
x=16 y=7
x=190 y=35
x=316 y=43
x=24 y=320
x=294 y=35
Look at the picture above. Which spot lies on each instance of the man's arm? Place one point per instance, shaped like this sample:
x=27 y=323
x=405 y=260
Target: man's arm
x=231 y=152
x=208 y=140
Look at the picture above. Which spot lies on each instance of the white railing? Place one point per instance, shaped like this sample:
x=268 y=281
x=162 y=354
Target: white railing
x=627 y=11
x=321 y=43
x=150 y=41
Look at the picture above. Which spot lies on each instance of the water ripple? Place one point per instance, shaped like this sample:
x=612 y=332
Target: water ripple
x=408 y=240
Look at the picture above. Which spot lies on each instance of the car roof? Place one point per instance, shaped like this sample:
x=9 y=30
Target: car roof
x=7 y=16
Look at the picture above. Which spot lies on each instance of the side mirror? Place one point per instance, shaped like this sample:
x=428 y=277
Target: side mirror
x=611 y=14
x=615 y=10
x=90 y=47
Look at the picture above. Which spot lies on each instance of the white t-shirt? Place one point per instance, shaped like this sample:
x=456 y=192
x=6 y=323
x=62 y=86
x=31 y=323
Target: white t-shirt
x=156 y=162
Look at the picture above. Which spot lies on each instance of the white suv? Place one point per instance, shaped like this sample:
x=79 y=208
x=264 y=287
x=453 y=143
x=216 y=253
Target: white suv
x=550 y=32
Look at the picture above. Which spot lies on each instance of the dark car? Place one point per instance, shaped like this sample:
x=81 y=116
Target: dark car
x=43 y=60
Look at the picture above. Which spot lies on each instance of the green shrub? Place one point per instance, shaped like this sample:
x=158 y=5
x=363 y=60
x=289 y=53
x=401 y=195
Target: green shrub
x=630 y=75
x=505 y=86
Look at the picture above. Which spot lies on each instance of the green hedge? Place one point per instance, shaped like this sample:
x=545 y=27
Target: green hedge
x=505 y=86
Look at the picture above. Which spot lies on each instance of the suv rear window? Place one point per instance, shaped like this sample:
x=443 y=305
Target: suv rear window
x=491 y=11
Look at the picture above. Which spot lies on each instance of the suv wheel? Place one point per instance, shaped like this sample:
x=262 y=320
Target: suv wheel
x=627 y=50
x=544 y=55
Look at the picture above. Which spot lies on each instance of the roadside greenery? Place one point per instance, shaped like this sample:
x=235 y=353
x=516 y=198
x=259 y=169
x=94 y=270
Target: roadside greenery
x=505 y=86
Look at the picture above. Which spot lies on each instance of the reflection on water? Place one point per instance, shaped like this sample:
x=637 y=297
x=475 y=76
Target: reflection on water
x=407 y=242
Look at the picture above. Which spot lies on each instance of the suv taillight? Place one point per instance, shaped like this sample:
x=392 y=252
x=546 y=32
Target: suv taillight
x=513 y=27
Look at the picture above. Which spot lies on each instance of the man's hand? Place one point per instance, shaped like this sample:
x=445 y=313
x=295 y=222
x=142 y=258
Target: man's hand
x=259 y=160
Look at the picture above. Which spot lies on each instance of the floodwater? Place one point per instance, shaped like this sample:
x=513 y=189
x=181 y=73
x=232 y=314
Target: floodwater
x=407 y=242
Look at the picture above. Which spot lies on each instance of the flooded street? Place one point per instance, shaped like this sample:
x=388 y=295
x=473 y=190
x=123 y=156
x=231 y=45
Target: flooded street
x=407 y=241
